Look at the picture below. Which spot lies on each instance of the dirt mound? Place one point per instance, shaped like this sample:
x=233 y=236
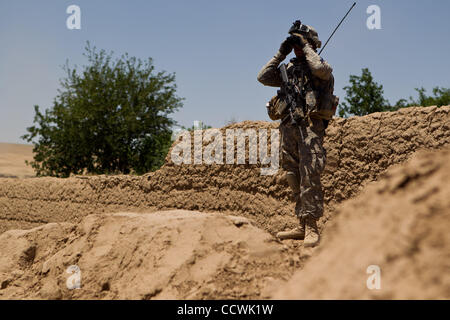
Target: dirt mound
x=359 y=149
x=401 y=224
x=164 y=255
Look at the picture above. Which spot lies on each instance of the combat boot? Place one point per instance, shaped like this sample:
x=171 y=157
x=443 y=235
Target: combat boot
x=295 y=234
x=312 y=237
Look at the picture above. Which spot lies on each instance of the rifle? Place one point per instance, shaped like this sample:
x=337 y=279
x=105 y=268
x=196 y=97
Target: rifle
x=289 y=92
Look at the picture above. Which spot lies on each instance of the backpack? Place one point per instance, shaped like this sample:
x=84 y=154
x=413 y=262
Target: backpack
x=321 y=103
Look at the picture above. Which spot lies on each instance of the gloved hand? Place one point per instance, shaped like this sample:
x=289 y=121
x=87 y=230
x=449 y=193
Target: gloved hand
x=286 y=46
x=298 y=40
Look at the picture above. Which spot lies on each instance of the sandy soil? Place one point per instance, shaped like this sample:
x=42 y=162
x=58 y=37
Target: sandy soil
x=164 y=255
x=12 y=160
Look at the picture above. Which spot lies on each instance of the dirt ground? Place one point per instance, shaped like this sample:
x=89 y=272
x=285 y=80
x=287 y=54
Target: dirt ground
x=164 y=255
x=117 y=228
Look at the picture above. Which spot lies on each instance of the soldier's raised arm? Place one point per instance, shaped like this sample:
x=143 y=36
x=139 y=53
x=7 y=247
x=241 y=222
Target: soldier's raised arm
x=269 y=75
x=319 y=67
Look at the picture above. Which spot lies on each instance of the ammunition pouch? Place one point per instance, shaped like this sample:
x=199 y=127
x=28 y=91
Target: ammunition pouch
x=276 y=108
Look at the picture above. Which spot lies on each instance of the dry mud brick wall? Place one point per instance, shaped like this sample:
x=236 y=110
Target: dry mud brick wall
x=359 y=149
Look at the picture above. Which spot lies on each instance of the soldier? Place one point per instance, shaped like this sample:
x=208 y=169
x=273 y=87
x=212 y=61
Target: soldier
x=302 y=154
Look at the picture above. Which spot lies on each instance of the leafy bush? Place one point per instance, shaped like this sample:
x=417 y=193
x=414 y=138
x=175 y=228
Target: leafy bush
x=111 y=117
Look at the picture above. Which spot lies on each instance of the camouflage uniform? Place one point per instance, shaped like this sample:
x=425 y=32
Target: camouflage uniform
x=303 y=155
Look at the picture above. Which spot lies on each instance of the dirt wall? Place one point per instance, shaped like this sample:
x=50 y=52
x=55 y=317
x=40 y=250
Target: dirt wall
x=359 y=149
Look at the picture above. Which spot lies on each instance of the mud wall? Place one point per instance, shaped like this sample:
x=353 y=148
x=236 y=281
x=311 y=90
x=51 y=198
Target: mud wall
x=359 y=149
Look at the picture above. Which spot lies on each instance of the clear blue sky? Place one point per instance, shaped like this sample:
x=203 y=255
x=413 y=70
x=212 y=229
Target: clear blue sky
x=215 y=48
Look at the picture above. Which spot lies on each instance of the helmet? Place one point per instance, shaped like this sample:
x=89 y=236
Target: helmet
x=307 y=31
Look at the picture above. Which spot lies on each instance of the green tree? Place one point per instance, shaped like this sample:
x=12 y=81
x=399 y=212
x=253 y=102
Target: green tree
x=363 y=96
x=441 y=97
x=111 y=117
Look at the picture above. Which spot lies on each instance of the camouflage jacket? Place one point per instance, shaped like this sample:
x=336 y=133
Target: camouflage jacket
x=269 y=75
x=312 y=74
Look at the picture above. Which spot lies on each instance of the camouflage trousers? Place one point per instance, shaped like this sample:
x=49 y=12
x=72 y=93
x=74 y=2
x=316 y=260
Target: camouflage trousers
x=303 y=155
